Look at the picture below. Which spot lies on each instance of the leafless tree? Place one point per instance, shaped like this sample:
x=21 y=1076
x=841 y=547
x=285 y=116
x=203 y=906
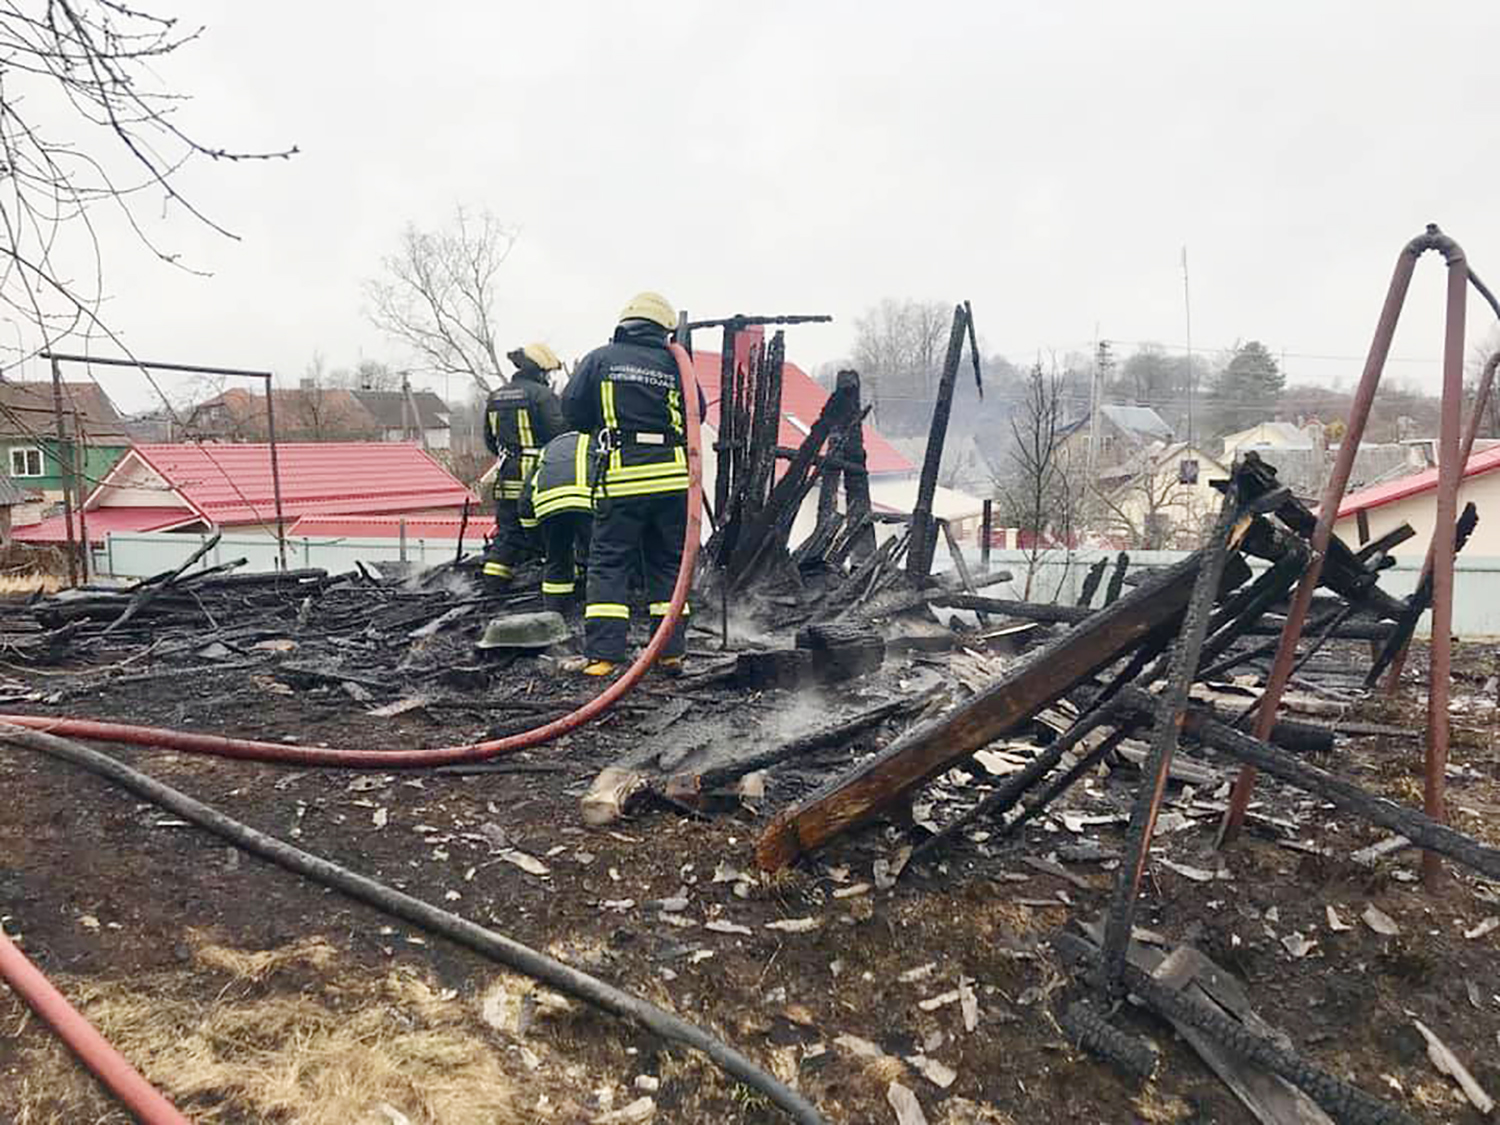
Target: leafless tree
x=85 y=122
x=1037 y=495
x=1153 y=509
x=437 y=295
x=898 y=349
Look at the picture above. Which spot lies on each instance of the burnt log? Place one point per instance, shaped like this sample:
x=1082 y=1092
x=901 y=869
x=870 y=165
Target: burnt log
x=935 y=746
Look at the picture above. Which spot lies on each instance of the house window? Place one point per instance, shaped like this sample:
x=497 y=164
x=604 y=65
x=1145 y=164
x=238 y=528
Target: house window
x=26 y=462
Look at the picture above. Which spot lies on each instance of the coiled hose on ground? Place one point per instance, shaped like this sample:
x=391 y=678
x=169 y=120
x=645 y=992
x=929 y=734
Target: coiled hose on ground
x=42 y=733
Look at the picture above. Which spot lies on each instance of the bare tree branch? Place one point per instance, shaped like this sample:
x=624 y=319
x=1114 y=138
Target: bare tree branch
x=87 y=69
x=438 y=295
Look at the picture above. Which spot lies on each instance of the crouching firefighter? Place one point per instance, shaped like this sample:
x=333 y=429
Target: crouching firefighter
x=519 y=419
x=628 y=393
x=559 y=500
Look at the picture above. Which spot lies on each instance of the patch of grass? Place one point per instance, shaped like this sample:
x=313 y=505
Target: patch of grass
x=333 y=1049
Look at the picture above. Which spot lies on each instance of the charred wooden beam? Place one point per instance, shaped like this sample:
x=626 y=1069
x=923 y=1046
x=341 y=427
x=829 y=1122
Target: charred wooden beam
x=1416 y=826
x=1091 y=582
x=1360 y=630
x=1348 y=1104
x=856 y=476
x=1171 y=709
x=935 y=746
x=1387 y=542
x=924 y=533
x=766 y=534
x=727 y=437
x=1117 y=579
x=802 y=745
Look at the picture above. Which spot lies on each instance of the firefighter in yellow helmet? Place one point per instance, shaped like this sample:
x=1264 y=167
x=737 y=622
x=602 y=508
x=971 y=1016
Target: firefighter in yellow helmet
x=628 y=394
x=519 y=419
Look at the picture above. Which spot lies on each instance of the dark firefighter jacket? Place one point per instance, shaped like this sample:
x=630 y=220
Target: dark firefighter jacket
x=629 y=392
x=562 y=482
x=519 y=419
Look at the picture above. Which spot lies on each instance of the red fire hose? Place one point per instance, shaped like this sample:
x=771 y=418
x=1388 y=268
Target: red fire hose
x=193 y=742
x=122 y=1078
x=88 y=1044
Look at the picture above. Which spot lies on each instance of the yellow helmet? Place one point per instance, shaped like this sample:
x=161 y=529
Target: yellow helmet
x=539 y=354
x=650 y=306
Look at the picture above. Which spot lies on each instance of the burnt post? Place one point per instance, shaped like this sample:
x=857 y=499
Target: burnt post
x=856 y=473
x=986 y=533
x=727 y=436
x=924 y=533
x=64 y=461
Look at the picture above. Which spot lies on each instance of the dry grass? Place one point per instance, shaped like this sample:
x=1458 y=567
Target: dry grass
x=28 y=583
x=1158 y=1108
x=293 y=1040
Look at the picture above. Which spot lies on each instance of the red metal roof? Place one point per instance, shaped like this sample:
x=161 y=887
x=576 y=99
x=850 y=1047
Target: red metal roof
x=100 y=521
x=802 y=399
x=389 y=527
x=232 y=484
x=1401 y=488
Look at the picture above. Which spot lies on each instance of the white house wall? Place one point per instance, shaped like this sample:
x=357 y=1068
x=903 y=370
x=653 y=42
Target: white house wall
x=133 y=484
x=1420 y=510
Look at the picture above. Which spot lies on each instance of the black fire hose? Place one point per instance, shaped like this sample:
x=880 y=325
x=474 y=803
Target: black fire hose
x=487 y=943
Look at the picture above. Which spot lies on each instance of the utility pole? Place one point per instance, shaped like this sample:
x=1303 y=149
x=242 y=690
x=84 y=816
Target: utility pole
x=1102 y=366
x=63 y=458
x=1187 y=308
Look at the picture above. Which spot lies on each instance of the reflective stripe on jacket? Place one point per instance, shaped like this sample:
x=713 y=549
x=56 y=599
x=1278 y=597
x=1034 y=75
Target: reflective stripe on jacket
x=562 y=481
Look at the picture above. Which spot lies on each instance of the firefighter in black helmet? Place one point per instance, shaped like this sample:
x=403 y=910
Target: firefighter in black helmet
x=629 y=394
x=559 y=500
x=519 y=419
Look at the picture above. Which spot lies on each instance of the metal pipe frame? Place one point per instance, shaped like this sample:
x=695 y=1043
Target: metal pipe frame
x=1449 y=475
x=194 y=369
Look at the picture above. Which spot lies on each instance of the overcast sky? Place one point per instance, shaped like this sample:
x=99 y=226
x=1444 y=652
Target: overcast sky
x=1046 y=161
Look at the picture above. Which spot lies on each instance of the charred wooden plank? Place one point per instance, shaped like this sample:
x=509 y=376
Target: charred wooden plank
x=929 y=749
x=924 y=531
x=1091 y=583
x=1390 y=540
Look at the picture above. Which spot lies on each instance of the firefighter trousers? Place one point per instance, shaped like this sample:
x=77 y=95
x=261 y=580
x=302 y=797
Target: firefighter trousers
x=565 y=537
x=633 y=535
x=511 y=544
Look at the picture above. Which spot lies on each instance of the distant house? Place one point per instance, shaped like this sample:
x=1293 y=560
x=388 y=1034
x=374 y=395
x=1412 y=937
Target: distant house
x=11 y=498
x=392 y=414
x=1371 y=512
x=209 y=486
x=314 y=413
x=303 y=414
x=1161 y=499
x=1123 y=432
x=28 y=434
x=1270 y=436
x=1302 y=456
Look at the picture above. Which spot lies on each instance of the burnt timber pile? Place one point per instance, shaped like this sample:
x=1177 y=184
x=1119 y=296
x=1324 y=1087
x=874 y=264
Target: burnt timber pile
x=957 y=733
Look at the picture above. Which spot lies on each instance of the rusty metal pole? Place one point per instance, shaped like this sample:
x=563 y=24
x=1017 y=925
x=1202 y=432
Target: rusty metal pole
x=275 y=474
x=80 y=475
x=1471 y=432
x=1338 y=480
x=64 y=461
x=1450 y=473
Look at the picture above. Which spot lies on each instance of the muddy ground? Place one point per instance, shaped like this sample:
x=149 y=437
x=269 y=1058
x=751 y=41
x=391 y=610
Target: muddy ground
x=117 y=901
